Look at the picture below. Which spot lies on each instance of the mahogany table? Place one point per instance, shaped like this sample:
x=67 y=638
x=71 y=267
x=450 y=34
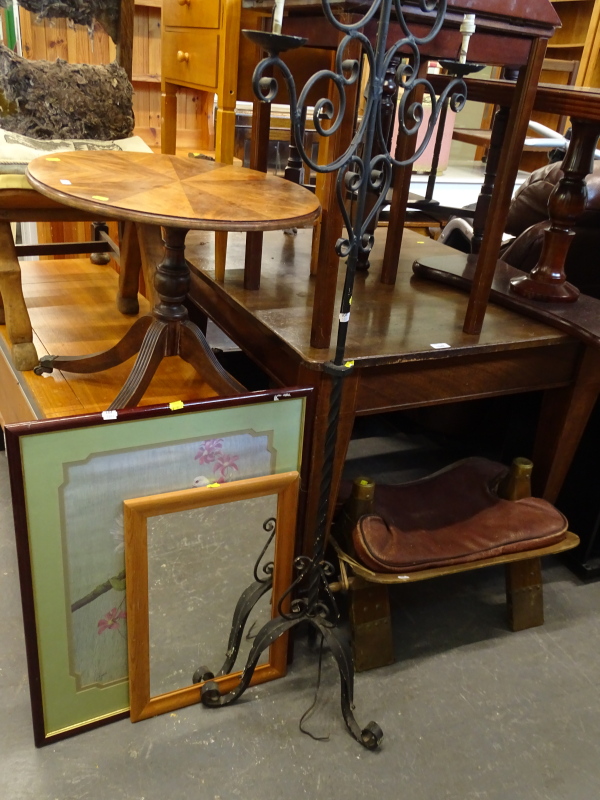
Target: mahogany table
x=178 y=194
x=408 y=348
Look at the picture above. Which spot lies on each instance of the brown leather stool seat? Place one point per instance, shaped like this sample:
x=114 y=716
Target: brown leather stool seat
x=453 y=521
x=452 y=517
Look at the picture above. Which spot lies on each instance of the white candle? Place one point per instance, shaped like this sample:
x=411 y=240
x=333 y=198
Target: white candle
x=278 y=16
x=467 y=29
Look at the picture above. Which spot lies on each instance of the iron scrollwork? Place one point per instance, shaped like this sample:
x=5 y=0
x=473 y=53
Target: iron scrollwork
x=367 y=163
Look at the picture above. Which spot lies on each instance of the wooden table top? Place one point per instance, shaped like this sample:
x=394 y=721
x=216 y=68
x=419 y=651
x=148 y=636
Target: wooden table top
x=173 y=191
x=389 y=324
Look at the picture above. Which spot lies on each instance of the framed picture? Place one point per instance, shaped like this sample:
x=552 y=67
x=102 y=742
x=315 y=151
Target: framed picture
x=69 y=478
x=188 y=557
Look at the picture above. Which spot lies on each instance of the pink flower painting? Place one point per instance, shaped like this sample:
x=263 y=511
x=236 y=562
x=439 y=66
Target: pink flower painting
x=224 y=465
x=208 y=451
x=110 y=621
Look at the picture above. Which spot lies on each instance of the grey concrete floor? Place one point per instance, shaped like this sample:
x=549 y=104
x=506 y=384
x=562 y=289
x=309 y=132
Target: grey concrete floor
x=469 y=711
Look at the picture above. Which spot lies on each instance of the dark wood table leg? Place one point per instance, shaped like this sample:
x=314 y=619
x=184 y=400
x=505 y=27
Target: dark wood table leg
x=547 y=280
x=167 y=331
x=259 y=159
x=405 y=149
x=185 y=339
x=151 y=354
x=388 y=106
x=482 y=208
x=194 y=349
x=130 y=265
x=127 y=347
x=564 y=415
x=519 y=117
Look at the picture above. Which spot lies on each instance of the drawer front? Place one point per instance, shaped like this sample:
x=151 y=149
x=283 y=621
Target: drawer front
x=191 y=13
x=191 y=56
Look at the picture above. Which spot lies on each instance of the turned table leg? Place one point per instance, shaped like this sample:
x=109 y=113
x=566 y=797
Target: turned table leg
x=167 y=331
x=547 y=280
x=13 y=311
x=491 y=170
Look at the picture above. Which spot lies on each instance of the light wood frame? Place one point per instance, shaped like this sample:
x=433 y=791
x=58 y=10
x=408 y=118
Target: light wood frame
x=136 y=514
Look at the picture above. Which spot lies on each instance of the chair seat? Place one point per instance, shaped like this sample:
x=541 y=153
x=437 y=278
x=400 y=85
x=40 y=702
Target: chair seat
x=452 y=517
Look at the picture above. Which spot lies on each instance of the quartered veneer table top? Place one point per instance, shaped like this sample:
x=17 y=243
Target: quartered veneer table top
x=173 y=191
x=177 y=194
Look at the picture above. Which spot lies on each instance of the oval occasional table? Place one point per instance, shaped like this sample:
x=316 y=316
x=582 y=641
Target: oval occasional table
x=178 y=194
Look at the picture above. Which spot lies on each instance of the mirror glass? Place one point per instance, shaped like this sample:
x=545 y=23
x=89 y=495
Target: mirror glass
x=199 y=563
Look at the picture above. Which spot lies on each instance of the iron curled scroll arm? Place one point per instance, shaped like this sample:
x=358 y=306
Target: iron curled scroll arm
x=270 y=526
x=307 y=569
x=347 y=71
x=439 y=6
x=380 y=180
x=456 y=91
x=266 y=88
x=349 y=180
x=404 y=80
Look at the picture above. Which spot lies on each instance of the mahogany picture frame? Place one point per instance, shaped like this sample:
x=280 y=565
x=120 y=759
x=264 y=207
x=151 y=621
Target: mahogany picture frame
x=39 y=454
x=137 y=513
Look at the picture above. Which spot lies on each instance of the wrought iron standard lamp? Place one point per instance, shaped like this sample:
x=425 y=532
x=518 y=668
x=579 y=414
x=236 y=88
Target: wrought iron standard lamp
x=365 y=168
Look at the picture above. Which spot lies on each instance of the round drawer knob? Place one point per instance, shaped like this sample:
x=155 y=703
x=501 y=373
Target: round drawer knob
x=181 y=56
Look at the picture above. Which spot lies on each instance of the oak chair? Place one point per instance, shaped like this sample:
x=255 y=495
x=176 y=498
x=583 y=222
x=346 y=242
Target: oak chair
x=559 y=71
x=19 y=202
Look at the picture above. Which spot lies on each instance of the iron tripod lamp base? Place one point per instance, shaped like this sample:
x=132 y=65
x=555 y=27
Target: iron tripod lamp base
x=370 y=736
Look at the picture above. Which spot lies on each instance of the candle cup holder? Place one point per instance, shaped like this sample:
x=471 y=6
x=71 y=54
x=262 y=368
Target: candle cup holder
x=274 y=43
x=460 y=70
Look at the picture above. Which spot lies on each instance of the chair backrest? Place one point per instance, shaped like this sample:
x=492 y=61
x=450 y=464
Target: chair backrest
x=561 y=71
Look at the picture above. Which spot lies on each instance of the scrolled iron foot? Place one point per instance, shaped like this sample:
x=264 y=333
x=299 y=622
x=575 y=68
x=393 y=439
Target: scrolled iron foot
x=202 y=675
x=272 y=630
x=371 y=735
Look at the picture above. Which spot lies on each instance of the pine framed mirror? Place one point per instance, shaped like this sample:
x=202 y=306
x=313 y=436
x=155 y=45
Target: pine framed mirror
x=189 y=555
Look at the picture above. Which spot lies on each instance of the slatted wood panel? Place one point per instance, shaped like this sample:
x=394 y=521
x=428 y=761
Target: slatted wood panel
x=49 y=40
